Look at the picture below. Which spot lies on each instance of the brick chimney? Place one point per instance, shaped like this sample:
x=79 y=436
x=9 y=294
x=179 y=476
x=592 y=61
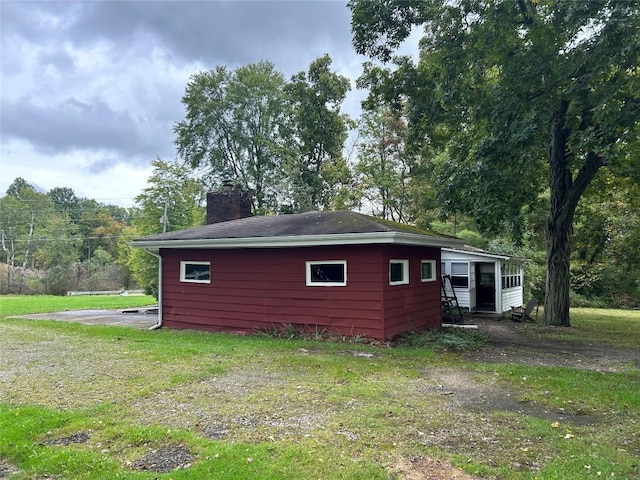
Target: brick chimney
x=230 y=203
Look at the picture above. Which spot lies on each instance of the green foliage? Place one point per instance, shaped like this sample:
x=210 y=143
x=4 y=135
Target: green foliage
x=25 y=212
x=280 y=140
x=501 y=87
x=316 y=169
x=20 y=189
x=383 y=165
x=35 y=236
x=233 y=128
x=142 y=267
x=605 y=267
x=534 y=270
x=449 y=338
x=493 y=92
x=173 y=187
x=48 y=239
x=172 y=201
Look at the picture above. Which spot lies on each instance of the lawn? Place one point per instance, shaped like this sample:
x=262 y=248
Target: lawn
x=100 y=402
x=22 y=305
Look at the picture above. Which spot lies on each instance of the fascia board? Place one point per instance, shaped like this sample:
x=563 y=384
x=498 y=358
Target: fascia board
x=396 y=238
x=477 y=254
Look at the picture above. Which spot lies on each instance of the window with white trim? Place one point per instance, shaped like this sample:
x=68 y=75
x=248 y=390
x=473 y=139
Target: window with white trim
x=195 y=272
x=460 y=274
x=398 y=272
x=511 y=275
x=327 y=273
x=428 y=270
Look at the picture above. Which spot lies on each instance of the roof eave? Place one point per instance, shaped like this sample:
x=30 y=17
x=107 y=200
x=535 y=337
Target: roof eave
x=483 y=254
x=397 y=238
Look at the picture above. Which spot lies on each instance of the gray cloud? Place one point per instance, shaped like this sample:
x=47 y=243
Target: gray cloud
x=213 y=32
x=225 y=32
x=59 y=60
x=105 y=78
x=72 y=125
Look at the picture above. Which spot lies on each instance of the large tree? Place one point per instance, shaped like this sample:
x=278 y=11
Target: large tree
x=35 y=234
x=234 y=126
x=383 y=164
x=173 y=200
x=317 y=166
x=58 y=251
x=24 y=213
x=65 y=201
x=513 y=92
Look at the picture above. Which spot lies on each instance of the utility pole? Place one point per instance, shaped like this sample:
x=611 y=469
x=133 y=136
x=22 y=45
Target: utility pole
x=164 y=216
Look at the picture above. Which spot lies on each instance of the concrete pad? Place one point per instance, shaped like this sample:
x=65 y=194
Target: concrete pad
x=137 y=318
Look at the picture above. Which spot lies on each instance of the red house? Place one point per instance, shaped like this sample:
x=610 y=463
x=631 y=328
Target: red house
x=342 y=272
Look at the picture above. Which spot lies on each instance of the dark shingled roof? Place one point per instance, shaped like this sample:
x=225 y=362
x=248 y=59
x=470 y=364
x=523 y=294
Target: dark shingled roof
x=301 y=224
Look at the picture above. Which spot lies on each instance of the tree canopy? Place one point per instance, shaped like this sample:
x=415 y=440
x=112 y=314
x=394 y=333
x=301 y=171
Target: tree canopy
x=233 y=127
x=280 y=139
x=520 y=97
x=383 y=165
x=172 y=200
x=317 y=166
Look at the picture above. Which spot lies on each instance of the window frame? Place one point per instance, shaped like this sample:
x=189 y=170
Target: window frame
x=511 y=275
x=434 y=274
x=311 y=283
x=183 y=271
x=457 y=275
x=405 y=271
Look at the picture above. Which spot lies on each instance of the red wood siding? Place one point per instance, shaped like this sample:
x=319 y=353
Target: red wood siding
x=416 y=305
x=263 y=288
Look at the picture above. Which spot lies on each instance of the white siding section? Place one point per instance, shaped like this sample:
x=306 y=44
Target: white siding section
x=506 y=298
x=511 y=297
x=463 y=297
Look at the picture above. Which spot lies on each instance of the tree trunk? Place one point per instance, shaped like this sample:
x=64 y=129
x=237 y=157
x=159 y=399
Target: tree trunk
x=556 y=301
x=565 y=192
x=559 y=226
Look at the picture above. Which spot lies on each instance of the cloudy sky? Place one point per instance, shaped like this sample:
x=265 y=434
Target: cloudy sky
x=90 y=90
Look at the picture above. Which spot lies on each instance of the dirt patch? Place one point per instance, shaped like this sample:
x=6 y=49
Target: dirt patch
x=420 y=468
x=462 y=392
x=80 y=437
x=165 y=459
x=6 y=469
x=526 y=344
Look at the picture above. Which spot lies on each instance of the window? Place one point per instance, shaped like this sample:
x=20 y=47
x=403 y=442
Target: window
x=460 y=274
x=428 y=270
x=511 y=275
x=195 y=272
x=331 y=273
x=398 y=272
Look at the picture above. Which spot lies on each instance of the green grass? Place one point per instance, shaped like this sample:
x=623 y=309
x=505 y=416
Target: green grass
x=603 y=418
x=299 y=408
x=25 y=305
x=28 y=429
x=619 y=328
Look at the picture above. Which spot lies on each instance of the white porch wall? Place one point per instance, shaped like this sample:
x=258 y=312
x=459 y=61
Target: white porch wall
x=511 y=297
x=505 y=299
